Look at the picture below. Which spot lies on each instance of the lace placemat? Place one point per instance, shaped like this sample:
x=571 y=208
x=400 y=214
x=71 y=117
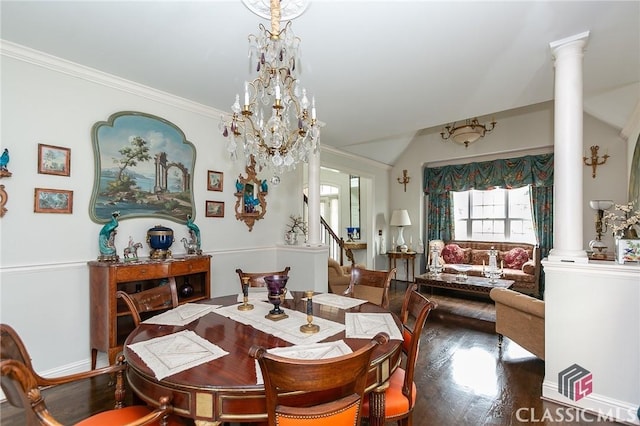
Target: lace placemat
x=181 y=315
x=367 y=325
x=176 y=352
x=312 y=351
x=337 y=301
x=287 y=329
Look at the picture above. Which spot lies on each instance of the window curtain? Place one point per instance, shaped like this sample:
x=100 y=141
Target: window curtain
x=534 y=170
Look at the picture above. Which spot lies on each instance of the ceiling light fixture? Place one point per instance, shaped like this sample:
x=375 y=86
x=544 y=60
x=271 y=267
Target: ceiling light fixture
x=276 y=123
x=467 y=133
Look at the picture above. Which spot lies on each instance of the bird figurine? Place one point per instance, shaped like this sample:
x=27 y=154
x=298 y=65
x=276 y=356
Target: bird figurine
x=4 y=160
x=106 y=239
x=194 y=231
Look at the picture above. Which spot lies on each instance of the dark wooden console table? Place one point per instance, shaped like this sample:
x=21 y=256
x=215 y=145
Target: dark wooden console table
x=409 y=259
x=109 y=322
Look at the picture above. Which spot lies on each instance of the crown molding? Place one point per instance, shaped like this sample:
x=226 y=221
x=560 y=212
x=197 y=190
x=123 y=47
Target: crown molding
x=56 y=64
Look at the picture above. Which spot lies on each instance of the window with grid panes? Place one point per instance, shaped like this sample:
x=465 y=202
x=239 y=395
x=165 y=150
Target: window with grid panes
x=493 y=215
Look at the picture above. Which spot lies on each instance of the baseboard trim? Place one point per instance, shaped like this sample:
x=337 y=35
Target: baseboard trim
x=596 y=404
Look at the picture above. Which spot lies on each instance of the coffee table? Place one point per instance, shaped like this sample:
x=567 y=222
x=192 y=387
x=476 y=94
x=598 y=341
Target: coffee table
x=471 y=284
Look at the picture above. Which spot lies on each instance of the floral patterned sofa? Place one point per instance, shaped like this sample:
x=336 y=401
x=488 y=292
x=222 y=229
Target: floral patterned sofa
x=521 y=261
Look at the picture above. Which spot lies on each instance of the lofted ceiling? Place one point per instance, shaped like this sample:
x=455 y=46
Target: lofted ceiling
x=381 y=71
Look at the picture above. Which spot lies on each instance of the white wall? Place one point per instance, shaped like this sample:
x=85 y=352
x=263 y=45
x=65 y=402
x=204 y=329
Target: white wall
x=44 y=277
x=611 y=179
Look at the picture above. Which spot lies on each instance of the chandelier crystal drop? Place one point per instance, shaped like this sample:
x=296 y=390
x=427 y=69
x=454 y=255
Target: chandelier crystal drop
x=276 y=122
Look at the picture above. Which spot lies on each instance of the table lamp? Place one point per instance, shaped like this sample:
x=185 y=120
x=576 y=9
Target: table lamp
x=400 y=218
x=599 y=206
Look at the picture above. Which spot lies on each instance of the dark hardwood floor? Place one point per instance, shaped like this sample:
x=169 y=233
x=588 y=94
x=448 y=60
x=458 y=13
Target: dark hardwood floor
x=462 y=376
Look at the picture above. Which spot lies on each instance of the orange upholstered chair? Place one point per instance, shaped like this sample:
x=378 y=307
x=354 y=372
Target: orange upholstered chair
x=316 y=392
x=400 y=396
x=21 y=385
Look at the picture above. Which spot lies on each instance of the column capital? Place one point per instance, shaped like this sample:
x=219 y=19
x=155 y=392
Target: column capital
x=577 y=40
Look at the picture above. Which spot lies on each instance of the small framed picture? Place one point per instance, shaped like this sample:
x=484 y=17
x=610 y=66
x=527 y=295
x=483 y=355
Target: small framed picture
x=54 y=160
x=214 y=209
x=214 y=180
x=52 y=201
x=628 y=250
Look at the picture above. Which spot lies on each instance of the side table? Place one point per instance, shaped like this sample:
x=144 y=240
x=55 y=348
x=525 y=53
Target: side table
x=409 y=259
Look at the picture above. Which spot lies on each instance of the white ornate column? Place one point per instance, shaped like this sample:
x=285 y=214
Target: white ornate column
x=568 y=133
x=314 y=199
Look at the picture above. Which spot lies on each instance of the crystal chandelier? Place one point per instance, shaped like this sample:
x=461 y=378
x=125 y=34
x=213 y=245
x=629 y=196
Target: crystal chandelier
x=276 y=123
x=468 y=132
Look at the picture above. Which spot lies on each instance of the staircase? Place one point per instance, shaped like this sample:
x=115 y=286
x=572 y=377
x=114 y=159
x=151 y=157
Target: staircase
x=337 y=249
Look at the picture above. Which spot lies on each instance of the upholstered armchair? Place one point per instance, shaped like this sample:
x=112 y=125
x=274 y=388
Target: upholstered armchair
x=339 y=277
x=521 y=318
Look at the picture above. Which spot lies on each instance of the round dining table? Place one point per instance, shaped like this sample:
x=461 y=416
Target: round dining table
x=227 y=389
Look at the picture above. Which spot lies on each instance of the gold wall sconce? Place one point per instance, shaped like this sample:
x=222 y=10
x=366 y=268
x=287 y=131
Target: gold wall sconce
x=404 y=180
x=595 y=159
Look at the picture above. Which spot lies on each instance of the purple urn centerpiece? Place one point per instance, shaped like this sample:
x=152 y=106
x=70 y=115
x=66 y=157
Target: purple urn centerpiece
x=276 y=285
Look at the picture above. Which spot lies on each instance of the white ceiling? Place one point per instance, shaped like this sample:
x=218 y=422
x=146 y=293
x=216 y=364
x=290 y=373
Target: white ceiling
x=380 y=70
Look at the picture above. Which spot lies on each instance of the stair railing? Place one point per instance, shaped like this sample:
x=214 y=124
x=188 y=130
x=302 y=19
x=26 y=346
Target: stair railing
x=337 y=249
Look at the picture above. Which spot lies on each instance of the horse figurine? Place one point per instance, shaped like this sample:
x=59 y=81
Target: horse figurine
x=131 y=251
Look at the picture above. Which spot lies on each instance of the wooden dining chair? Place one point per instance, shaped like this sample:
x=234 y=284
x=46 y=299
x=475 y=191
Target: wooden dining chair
x=400 y=395
x=370 y=285
x=256 y=279
x=21 y=386
x=160 y=298
x=316 y=392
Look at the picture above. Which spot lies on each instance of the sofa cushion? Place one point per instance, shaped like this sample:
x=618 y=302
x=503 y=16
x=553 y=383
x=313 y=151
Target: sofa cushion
x=467 y=254
x=452 y=253
x=479 y=256
x=515 y=258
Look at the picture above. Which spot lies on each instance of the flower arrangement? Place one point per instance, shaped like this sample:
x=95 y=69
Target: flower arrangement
x=297 y=225
x=622 y=219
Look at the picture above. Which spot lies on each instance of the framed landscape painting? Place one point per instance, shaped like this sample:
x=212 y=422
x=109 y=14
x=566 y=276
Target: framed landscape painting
x=144 y=168
x=52 y=201
x=214 y=209
x=214 y=180
x=54 y=160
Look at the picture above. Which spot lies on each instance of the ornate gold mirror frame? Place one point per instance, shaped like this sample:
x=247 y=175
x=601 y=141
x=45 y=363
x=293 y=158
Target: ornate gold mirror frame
x=250 y=193
x=3 y=200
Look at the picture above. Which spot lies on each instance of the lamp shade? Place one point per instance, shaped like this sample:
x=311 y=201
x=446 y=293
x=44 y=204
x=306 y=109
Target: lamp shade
x=400 y=218
x=601 y=204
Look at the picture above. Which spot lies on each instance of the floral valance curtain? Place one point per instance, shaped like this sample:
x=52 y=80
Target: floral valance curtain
x=534 y=170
